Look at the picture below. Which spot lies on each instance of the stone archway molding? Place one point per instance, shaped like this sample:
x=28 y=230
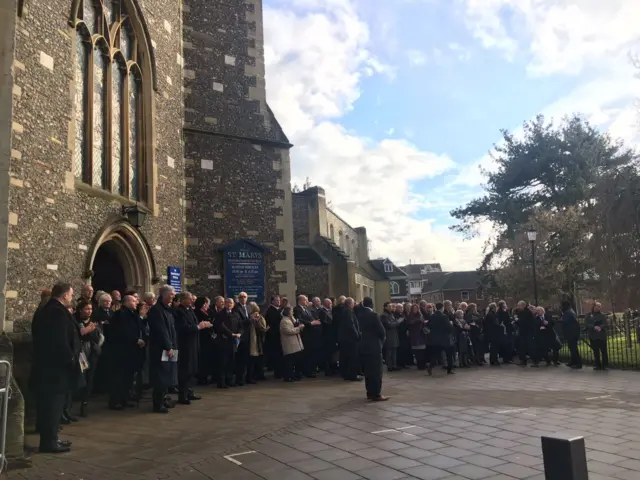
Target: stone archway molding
x=135 y=255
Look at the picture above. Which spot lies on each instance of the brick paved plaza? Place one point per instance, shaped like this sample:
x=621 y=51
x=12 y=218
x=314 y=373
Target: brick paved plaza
x=478 y=424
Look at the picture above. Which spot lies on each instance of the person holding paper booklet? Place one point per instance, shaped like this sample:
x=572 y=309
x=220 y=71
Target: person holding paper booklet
x=228 y=326
x=187 y=327
x=163 y=342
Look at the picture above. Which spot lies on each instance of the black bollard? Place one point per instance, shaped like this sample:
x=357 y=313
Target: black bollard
x=565 y=458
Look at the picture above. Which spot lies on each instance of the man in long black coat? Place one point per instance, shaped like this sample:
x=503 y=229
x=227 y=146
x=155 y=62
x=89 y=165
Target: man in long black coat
x=242 y=352
x=228 y=327
x=187 y=328
x=373 y=336
x=311 y=337
x=56 y=364
x=440 y=338
x=329 y=337
x=571 y=334
x=273 y=346
x=348 y=338
x=125 y=337
x=162 y=349
x=527 y=334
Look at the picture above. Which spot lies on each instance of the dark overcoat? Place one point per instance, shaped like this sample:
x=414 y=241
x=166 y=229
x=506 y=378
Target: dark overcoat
x=56 y=349
x=188 y=341
x=162 y=336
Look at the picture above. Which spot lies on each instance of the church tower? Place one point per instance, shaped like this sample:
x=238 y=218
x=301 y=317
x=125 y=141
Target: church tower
x=237 y=167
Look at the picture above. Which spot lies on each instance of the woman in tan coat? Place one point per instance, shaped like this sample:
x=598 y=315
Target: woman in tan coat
x=291 y=346
x=255 y=370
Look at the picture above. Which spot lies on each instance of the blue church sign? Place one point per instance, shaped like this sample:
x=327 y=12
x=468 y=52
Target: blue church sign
x=174 y=276
x=244 y=269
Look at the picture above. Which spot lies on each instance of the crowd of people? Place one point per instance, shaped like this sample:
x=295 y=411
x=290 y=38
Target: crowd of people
x=123 y=343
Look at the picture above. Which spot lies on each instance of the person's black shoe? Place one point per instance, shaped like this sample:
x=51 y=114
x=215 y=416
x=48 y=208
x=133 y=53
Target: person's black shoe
x=239 y=384
x=251 y=382
x=57 y=448
x=576 y=367
x=289 y=380
x=193 y=397
x=556 y=364
x=597 y=368
x=64 y=443
x=64 y=420
x=223 y=386
x=161 y=410
x=70 y=416
x=129 y=405
x=184 y=401
x=84 y=408
x=535 y=365
x=116 y=407
x=450 y=372
x=311 y=376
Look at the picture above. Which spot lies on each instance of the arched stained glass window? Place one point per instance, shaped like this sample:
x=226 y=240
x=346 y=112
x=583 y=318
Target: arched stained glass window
x=109 y=144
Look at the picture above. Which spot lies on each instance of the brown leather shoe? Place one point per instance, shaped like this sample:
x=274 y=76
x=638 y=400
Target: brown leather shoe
x=380 y=398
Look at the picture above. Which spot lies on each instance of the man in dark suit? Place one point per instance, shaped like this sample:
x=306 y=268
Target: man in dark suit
x=273 y=346
x=126 y=342
x=329 y=338
x=163 y=344
x=440 y=338
x=373 y=336
x=56 y=364
x=311 y=337
x=348 y=338
x=571 y=334
x=242 y=352
x=227 y=325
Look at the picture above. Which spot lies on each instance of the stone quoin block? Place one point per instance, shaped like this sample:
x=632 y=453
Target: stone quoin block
x=13 y=218
x=46 y=61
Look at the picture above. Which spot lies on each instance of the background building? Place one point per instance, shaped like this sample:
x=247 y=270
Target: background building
x=332 y=257
x=398 y=285
x=454 y=286
x=416 y=273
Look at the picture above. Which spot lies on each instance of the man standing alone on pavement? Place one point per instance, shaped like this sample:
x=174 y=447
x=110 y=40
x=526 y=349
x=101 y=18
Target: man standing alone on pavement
x=373 y=336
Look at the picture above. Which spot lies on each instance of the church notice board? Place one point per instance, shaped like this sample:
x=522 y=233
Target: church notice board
x=174 y=276
x=244 y=269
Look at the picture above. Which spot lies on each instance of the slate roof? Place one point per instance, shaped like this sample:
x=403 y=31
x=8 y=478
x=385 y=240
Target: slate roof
x=335 y=247
x=306 y=255
x=378 y=264
x=444 y=281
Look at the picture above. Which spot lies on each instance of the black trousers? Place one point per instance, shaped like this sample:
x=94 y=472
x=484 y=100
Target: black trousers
x=528 y=348
x=274 y=358
x=242 y=359
x=436 y=353
x=372 y=366
x=226 y=362
x=311 y=360
x=291 y=366
x=421 y=358
x=391 y=357
x=120 y=386
x=574 y=360
x=255 y=368
x=159 y=392
x=349 y=364
x=494 y=349
x=49 y=407
x=183 y=384
x=599 y=347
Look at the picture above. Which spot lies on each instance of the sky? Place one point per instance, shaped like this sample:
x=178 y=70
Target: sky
x=393 y=106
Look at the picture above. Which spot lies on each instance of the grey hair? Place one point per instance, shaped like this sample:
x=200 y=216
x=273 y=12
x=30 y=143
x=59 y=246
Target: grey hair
x=349 y=300
x=102 y=298
x=165 y=289
x=148 y=296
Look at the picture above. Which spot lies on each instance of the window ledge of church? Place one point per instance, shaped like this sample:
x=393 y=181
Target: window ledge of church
x=98 y=192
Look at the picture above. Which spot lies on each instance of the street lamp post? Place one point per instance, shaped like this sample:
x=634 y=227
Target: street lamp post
x=532 y=235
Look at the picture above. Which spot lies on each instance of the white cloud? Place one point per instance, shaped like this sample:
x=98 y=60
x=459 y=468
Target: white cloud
x=560 y=36
x=316 y=57
x=416 y=58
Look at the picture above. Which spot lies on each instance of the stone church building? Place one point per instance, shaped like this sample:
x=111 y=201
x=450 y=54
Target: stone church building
x=332 y=257
x=135 y=137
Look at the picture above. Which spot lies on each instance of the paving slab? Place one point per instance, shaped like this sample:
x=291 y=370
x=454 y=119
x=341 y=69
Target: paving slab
x=480 y=424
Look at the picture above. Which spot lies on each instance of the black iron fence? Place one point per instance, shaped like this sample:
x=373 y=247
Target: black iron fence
x=623 y=344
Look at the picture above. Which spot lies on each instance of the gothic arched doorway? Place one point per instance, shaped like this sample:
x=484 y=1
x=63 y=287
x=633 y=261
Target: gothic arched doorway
x=108 y=273
x=120 y=259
